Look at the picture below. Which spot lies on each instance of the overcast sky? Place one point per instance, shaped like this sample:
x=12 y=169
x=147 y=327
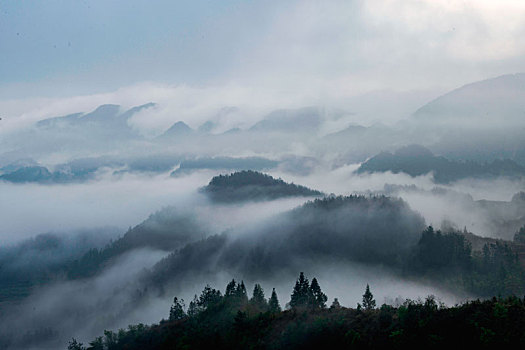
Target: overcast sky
x=324 y=48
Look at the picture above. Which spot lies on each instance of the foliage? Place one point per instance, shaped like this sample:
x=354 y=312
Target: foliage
x=258 y=299
x=273 y=303
x=448 y=258
x=306 y=295
x=519 y=237
x=229 y=323
x=439 y=251
x=318 y=297
x=75 y=345
x=415 y=160
x=177 y=309
x=249 y=185
x=335 y=304
x=368 y=299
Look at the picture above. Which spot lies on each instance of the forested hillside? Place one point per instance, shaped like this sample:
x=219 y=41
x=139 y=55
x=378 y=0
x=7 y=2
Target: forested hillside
x=416 y=160
x=251 y=185
x=239 y=320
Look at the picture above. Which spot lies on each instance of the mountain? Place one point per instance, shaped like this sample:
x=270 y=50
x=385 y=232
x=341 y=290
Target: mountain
x=77 y=170
x=28 y=174
x=250 y=185
x=496 y=101
x=497 y=219
x=356 y=143
x=375 y=230
x=43 y=258
x=167 y=230
x=290 y=120
x=18 y=164
x=177 y=131
x=104 y=119
x=59 y=122
x=207 y=127
x=416 y=160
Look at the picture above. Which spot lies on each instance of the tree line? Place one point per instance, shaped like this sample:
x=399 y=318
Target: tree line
x=234 y=320
x=213 y=305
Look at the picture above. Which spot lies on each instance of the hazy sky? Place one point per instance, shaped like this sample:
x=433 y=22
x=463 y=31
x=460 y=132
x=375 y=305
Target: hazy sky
x=66 y=48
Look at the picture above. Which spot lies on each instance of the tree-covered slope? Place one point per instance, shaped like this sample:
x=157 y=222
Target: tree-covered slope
x=233 y=320
x=416 y=160
x=375 y=230
x=167 y=229
x=248 y=185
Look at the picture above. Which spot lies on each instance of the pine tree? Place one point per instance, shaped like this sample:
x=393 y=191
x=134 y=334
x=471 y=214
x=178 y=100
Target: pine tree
x=75 y=345
x=231 y=289
x=335 y=304
x=258 y=299
x=209 y=297
x=301 y=293
x=368 y=299
x=273 y=303
x=177 y=309
x=97 y=344
x=318 y=298
x=241 y=293
x=193 y=308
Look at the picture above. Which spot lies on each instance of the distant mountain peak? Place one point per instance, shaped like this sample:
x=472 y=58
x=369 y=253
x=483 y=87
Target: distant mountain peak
x=306 y=118
x=497 y=100
x=108 y=108
x=207 y=127
x=137 y=109
x=179 y=128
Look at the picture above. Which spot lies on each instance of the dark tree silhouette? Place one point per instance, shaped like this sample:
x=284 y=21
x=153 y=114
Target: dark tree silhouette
x=318 y=298
x=335 y=304
x=258 y=299
x=177 y=309
x=519 y=237
x=273 y=302
x=75 y=345
x=301 y=292
x=231 y=289
x=209 y=297
x=194 y=308
x=241 y=293
x=368 y=299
